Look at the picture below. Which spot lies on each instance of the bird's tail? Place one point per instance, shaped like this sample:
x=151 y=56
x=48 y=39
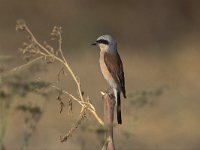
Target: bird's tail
x=118 y=100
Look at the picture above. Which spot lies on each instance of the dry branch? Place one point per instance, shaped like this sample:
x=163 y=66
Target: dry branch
x=36 y=51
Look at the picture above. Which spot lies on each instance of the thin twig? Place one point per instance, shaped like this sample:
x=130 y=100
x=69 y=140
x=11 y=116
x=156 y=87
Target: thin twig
x=69 y=68
x=63 y=60
x=22 y=66
x=83 y=104
x=70 y=95
x=48 y=52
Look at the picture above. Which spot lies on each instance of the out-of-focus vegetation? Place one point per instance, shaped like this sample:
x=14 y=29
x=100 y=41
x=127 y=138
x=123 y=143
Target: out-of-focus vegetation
x=34 y=50
x=18 y=84
x=158 y=41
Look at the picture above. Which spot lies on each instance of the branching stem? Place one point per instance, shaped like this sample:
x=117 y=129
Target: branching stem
x=44 y=52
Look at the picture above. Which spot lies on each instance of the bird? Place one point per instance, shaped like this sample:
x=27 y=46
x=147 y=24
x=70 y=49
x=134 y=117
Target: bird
x=112 y=68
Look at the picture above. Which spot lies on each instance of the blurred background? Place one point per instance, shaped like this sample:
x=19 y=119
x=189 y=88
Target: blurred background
x=158 y=41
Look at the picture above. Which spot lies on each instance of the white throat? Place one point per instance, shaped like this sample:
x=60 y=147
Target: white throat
x=108 y=48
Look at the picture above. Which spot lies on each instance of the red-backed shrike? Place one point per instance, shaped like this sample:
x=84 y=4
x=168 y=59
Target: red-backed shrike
x=112 y=68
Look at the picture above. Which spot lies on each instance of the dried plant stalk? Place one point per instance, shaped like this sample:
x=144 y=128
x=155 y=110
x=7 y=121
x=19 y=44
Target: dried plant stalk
x=35 y=50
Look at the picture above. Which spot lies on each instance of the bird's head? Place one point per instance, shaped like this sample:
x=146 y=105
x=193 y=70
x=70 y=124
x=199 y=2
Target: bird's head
x=106 y=43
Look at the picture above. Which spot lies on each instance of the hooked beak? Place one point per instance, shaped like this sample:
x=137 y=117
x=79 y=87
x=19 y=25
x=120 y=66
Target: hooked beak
x=94 y=44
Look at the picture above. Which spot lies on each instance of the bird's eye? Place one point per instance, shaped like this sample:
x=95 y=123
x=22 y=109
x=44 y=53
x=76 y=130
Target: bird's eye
x=103 y=42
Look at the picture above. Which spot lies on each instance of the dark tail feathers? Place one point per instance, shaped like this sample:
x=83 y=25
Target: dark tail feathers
x=119 y=116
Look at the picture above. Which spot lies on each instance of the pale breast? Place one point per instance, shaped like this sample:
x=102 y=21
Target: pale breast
x=106 y=72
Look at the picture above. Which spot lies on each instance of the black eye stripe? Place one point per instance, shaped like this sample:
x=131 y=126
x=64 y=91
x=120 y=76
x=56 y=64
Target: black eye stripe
x=103 y=41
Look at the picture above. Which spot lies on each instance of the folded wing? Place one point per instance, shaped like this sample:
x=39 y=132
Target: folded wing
x=115 y=67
